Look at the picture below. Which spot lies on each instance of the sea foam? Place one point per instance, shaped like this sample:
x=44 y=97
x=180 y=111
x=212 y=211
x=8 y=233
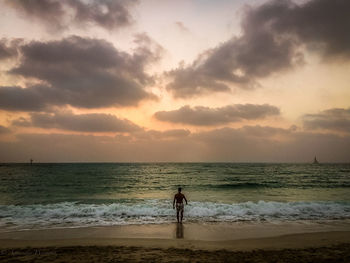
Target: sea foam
x=74 y=214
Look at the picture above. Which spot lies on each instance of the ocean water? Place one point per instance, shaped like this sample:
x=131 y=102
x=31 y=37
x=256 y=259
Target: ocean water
x=98 y=194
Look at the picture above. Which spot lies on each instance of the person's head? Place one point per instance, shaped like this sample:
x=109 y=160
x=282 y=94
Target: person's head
x=179 y=189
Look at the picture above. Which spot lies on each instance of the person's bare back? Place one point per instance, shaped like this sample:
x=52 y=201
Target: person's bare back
x=178 y=198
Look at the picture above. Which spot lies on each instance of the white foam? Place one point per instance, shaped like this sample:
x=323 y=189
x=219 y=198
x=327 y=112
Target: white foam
x=72 y=214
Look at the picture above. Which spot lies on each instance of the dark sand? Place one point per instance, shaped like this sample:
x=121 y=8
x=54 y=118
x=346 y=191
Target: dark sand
x=165 y=243
x=336 y=253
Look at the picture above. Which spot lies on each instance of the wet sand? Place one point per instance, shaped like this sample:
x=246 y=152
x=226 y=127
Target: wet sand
x=293 y=242
x=337 y=253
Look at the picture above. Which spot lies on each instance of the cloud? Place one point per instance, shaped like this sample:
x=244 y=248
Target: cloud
x=274 y=35
x=159 y=135
x=60 y=14
x=89 y=148
x=8 y=49
x=176 y=133
x=82 y=72
x=203 y=116
x=246 y=138
x=247 y=144
x=266 y=131
x=335 y=119
x=4 y=130
x=182 y=27
x=67 y=120
x=34 y=98
x=147 y=52
x=270 y=144
x=320 y=24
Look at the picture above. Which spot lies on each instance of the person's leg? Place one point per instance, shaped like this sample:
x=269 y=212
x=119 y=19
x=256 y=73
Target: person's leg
x=177 y=216
x=182 y=215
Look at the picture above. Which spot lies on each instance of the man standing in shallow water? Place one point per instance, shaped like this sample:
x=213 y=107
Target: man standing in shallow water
x=179 y=197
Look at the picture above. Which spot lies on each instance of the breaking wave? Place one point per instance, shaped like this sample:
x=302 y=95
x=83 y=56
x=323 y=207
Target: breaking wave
x=73 y=214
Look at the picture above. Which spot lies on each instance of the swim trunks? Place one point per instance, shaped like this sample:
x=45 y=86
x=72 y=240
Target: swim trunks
x=179 y=207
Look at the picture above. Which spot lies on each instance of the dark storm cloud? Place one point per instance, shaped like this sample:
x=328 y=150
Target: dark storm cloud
x=91 y=122
x=82 y=72
x=212 y=116
x=333 y=119
x=272 y=40
x=60 y=14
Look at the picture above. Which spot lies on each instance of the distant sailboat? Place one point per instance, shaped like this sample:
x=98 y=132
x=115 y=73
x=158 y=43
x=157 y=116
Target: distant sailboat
x=315 y=161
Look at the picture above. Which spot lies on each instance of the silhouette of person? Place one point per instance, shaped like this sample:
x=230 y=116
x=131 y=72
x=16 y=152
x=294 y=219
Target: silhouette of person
x=178 y=198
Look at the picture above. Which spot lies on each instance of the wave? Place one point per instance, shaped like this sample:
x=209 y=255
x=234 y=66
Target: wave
x=73 y=214
x=309 y=185
x=242 y=185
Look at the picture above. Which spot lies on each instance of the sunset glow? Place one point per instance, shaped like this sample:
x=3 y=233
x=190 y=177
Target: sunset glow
x=182 y=81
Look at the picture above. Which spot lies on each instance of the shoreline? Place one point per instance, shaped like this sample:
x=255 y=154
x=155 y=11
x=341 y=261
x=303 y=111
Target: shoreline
x=208 y=236
x=291 y=241
x=159 y=243
x=319 y=247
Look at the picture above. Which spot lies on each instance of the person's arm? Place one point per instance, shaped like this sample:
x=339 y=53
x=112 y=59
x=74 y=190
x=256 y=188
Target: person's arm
x=185 y=199
x=174 y=203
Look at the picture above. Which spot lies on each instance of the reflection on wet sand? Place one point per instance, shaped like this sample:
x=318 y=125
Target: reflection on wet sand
x=179 y=230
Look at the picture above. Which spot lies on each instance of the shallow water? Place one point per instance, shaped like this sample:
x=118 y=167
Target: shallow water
x=54 y=195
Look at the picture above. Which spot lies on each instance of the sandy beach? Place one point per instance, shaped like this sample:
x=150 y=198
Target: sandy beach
x=292 y=242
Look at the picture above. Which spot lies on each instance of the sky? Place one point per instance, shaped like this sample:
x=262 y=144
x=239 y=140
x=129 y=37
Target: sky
x=174 y=81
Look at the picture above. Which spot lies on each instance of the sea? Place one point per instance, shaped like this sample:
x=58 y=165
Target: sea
x=60 y=195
